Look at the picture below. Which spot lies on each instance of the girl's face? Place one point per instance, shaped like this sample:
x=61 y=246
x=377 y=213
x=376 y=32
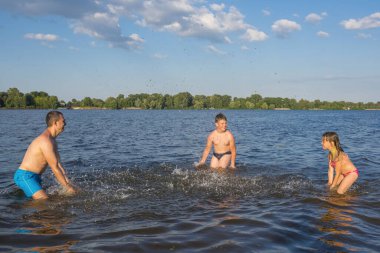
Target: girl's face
x=327 y=144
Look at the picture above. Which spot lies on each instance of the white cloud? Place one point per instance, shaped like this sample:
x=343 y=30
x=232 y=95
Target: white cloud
x=227 y=40
x=371 y=21
x=213 y=49
x=323 y=34
x=68 y=8
x=244 y=48
x=266 y=12
x=105 y=26
x=254 y=35
x=40 y=36
x=364 y=36
x=217 y=7
x=185 y=18
x=313 y=18
x=160 y=56
x=101 y=19
x=283 y=27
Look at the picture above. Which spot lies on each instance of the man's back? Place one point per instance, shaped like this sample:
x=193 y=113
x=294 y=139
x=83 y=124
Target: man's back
x=34 y=159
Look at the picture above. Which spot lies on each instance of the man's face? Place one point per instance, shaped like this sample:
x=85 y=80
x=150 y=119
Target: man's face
x=221 y=125
x=60 y=124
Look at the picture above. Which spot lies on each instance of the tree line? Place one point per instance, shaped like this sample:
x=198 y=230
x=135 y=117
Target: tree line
x=13 y=98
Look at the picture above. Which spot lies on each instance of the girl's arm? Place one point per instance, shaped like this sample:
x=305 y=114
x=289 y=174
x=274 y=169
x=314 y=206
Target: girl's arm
x=330 y=175
x=330 y=172
x=338 y=172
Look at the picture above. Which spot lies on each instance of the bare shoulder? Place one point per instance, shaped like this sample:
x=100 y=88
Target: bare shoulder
x=229 y=134
x=43 y=140
x=212 y=134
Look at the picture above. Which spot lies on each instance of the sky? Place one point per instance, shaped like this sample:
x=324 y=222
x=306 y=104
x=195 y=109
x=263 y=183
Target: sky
x=302 y=49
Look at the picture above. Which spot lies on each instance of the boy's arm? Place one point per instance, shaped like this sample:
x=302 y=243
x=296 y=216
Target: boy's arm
x=207 y=149
x=233 y=151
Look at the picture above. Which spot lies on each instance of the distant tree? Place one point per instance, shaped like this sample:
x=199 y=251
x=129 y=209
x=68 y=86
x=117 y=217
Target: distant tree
x=121 y=101
x=29 y=101
x=111 y=103
x=87 y=102
x=255 y=99
x=15 y=99
x=200 y=102
x=250 y=105
x=168 y=102
x=98 y=102
x=183 y=100
x=3 y=98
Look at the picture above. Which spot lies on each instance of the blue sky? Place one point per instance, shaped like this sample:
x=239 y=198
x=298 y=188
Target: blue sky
x=328 y=50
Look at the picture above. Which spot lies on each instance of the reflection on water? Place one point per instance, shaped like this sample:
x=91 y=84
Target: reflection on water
x=337 y=221
x=43 y=221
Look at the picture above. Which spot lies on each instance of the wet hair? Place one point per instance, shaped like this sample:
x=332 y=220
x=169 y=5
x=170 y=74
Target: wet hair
x=220 y=116
x=334 y=138
x=52 y=117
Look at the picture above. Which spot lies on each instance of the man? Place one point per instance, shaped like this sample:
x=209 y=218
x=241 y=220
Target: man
x=224 y=145
x=43 y=151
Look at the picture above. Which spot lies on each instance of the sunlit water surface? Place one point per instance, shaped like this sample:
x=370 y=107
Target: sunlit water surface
x=140 y=191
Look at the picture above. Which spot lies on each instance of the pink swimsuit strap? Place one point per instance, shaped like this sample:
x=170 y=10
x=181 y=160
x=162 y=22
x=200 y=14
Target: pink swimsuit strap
x=333 y=163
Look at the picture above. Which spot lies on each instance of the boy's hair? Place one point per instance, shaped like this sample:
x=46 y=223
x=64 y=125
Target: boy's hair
x=334 y=138
x=220 y=116
x=52 y=117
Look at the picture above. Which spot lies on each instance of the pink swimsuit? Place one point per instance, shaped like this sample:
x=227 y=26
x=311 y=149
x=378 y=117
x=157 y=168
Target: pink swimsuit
x=333 y=164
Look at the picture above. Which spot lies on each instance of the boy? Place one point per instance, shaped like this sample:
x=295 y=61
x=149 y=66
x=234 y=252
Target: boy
x=224 y=145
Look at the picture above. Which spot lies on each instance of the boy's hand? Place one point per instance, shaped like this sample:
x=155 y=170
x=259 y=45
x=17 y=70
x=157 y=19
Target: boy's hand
x=199 y=165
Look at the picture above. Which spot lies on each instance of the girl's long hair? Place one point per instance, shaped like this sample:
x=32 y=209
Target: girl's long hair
x=333 y=137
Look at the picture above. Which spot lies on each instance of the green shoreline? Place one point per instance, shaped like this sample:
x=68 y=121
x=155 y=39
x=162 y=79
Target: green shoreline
x=14 y=99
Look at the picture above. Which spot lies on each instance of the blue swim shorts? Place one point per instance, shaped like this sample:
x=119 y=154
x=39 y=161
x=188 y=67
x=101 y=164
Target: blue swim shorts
x=28 y=181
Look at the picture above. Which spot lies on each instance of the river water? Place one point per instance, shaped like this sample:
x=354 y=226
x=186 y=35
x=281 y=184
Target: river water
x=140 y=191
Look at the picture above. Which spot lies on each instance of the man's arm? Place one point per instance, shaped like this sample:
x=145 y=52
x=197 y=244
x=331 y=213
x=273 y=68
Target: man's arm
x=233 y=150
x=48 y=150
x=63 y=172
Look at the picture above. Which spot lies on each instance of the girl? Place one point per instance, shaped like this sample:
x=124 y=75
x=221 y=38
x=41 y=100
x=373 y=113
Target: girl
x=345 y=171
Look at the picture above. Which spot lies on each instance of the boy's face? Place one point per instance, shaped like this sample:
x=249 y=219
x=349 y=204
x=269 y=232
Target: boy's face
x=221 y=125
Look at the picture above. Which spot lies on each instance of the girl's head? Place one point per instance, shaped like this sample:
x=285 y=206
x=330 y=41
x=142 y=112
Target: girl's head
x=330 y=140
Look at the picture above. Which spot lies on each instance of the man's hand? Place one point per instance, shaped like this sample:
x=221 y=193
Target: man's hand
x=70 y=191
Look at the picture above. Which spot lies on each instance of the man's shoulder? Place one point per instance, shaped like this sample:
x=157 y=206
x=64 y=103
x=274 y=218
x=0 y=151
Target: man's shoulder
x=43 y=138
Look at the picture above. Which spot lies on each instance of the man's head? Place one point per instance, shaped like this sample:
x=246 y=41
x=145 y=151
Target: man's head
x=55 y=119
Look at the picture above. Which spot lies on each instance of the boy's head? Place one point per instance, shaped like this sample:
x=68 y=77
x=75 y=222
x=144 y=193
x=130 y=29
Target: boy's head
x=220 y=116
x=221 y=122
